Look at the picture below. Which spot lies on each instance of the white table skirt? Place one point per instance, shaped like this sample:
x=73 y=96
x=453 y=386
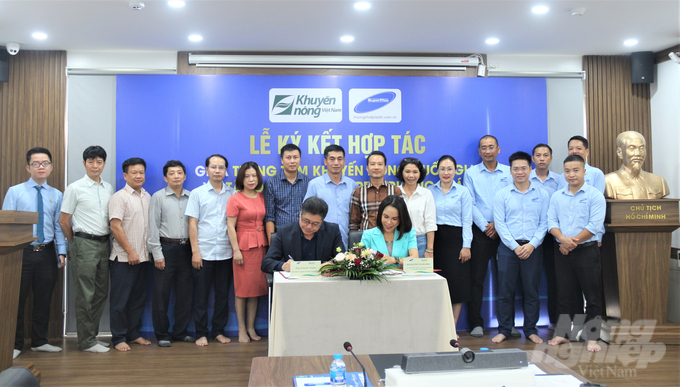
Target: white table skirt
x=403 y=314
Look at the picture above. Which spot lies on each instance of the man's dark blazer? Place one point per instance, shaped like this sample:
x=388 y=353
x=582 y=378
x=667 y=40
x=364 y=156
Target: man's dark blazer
x=287 y=241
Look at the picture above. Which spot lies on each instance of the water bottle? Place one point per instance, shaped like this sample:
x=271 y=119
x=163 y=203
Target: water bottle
x=338 y=371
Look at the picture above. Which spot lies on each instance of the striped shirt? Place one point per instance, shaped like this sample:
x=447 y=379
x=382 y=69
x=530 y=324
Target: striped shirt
x=365 y=203
x=132 y=208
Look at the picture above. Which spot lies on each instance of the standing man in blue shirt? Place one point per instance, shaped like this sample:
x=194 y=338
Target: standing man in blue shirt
x=40 y=260
x=520 y=215
x=575 y=216
x=578 y=145
x=335 y=189
x=211 y=250
x=483 y=181
x=548 y=180
x=284 y=192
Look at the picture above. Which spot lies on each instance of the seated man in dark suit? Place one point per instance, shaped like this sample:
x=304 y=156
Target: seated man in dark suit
x=310 y=239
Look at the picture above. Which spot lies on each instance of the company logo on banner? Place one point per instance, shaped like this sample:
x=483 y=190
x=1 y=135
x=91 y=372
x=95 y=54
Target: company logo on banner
x=305 y=105
x=375 y=105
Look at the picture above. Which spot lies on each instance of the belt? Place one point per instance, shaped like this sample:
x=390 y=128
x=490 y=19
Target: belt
x=100 y=238
x=587 y=244
x=40 y=247
x=522 y=242
x=180 y=241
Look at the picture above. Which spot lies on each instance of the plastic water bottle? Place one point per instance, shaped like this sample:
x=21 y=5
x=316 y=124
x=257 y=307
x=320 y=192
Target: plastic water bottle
x=338 y=371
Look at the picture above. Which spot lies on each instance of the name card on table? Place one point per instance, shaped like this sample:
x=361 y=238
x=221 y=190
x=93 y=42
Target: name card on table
x=418 y=265
x=304 y=268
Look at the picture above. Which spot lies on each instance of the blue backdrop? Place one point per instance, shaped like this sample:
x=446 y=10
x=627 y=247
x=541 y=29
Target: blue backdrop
x=249 y=118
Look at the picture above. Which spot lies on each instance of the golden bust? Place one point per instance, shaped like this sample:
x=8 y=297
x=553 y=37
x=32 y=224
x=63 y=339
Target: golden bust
x=630 y=181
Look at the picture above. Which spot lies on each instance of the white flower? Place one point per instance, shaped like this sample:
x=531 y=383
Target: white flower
x=339 y=257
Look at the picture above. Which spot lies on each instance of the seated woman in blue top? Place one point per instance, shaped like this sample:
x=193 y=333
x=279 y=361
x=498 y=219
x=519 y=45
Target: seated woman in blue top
x=394 y=237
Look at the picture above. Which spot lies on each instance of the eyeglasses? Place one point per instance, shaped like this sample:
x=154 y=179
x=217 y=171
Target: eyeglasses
x=486 y=148
x=308 y=223
x=218 y=167
x=447 y=170
x=44 y=164
x=517 y=169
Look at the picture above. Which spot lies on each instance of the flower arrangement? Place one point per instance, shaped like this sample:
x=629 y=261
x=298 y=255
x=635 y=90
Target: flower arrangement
x=357 y=263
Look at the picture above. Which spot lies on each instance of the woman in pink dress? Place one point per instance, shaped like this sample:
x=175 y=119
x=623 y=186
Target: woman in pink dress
x=245 y=221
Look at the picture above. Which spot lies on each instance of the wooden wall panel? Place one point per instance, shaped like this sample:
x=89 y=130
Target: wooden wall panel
x=32 y=113
x=614 y=105
x=183 y=67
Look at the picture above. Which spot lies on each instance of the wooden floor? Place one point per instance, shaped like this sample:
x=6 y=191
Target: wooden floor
x=185 y=364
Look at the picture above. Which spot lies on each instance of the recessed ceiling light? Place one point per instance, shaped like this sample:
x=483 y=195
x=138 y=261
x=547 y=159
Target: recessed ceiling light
x=347 y=39
x=630 y=42
x=195 y=38
x=39 y=35
x=176 y=3
x=492 y=41
x=539 y=9
x=362 y=5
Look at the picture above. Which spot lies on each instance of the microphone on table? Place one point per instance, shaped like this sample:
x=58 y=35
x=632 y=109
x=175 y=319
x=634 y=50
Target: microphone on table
x=348 y=348
x=467 y=355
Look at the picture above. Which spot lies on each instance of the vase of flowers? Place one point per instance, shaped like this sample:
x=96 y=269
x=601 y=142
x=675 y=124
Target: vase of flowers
x=357 y=263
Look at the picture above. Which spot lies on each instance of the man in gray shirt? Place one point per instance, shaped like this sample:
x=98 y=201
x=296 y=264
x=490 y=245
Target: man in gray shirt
x=169 y=244
x=84 y=220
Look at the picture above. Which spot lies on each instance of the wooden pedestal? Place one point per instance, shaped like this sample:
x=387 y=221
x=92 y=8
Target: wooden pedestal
x=635 y=258
x=16 y=232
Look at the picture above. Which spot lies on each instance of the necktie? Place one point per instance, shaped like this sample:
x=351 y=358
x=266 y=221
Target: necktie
x=41 y=216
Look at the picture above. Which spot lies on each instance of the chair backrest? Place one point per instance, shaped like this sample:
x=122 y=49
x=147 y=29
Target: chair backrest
x=354 y=237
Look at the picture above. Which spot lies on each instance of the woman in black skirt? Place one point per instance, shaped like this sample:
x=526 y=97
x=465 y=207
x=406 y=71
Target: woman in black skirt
x=454 y=232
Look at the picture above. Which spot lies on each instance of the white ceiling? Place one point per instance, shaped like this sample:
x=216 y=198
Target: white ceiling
x=316 y=26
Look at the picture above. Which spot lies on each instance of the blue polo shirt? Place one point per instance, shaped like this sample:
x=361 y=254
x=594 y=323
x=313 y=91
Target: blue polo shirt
x=337 y=196
x=454 y=208
x=572 y=213
x=551 y=183
x=483 y=185
x=521 y=216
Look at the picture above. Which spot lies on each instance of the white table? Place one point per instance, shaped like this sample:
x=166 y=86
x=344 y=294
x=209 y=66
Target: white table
x=403 y=314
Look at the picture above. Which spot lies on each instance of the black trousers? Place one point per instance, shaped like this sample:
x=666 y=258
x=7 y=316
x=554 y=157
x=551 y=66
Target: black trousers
x=38 y=273
x=483 y=249
x=551 y=279
x=178 y=272
x=579 y=276
x=221 y=274
x=127 y=298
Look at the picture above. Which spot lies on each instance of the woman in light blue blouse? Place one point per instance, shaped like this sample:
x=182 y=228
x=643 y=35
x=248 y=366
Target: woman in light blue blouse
x=395 y=237
x=454 y=232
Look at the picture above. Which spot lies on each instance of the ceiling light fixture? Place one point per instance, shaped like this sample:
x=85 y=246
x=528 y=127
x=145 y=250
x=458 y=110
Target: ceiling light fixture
x=39 y=35
x=176 y=3
x=539 y=9
x=347 y=39
x=630 y=42
x=492 y=41
x=362 y=5
x=195 y=38
x=578 y=11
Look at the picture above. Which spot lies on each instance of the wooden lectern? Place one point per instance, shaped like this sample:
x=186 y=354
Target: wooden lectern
x=16 y=232
x=636 y=258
